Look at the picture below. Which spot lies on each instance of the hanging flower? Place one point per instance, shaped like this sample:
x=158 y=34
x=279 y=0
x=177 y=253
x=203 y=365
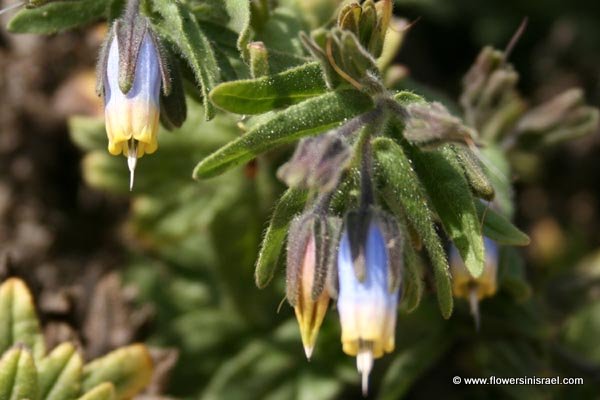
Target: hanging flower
x=134 y=79
x=308 y=264
x=475 y=289
x=369 y=265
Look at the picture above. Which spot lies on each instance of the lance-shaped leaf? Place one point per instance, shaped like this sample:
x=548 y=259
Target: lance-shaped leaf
x=129 y=369
x=181 y=27
x=239 y=21
x=18 y=320
x=498 y=228
x=104 y=391
x=18 y=376
x=399 y=185
x=474 y=172
x=450 y=194
x=290 y=204
x=60 y=374
x=412 y=278
x=58 y=16
x=313 y=116
x=256 y=96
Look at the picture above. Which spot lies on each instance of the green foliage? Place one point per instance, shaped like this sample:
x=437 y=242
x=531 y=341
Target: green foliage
x=197 y=242
x=310 y=117
x=258 y=96
x=405 y=196
x=19 y=324
x=289 y=205
x=58 y=16
x=184 y=33
x=27 y=374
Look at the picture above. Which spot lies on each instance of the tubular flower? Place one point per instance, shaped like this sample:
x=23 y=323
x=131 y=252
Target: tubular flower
x=308 y=262
x=136 y=83
x=367 y=302
x=475 y=289
x=132 y=117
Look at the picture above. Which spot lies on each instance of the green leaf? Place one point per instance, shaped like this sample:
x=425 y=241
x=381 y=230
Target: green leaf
x=128 y=368
x=307 y=118
x=181 y=27
x=18 y=320
x=400 y=187
x=239 y=21
x=412 y=278
x=290 y=204
x=58 y=16
x=18 y=376
x=473 y=169
x=60 y=373
x=500 y=229
x=104 y=391
x=443 y=178
x=256 y=96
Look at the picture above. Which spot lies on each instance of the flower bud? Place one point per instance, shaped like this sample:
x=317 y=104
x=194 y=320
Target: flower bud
x=367 y=304
x=318 y=163
x=309 y=259
x=431 y=124
x=565 y=116
x=475 y=289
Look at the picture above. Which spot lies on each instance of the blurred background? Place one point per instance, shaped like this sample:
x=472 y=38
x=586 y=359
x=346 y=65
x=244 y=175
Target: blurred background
x=171 y=263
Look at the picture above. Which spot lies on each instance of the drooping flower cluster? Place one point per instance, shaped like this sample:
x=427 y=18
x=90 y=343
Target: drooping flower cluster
x=358 y=265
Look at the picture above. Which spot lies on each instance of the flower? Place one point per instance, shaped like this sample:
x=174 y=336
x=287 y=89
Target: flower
x=475 y=289
x=308 y=264
x=132 y=117
x=367 y=306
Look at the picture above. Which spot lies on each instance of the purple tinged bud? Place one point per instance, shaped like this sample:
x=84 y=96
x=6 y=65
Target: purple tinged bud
x=318 y=163
x=309 y=261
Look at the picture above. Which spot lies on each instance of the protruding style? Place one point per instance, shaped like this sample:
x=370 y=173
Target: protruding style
x=475 y=289
x=367 y=306
x=137 y=85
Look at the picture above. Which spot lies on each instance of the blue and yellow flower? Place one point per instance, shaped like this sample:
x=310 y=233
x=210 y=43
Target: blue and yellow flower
x=367 y=304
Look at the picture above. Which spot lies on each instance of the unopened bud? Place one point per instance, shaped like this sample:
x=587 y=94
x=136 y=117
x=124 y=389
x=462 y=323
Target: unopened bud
x=310 y=254
x=431 y=124
x=565 y=116
x=318 y=163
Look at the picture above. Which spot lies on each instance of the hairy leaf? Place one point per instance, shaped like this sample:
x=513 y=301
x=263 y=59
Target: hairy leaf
x=181 y=27
x=256 y=96
x=290 y=204
x=402 y=191
x=450 y=194
x=500 y=229
x=307 y=118
x=58 y=16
